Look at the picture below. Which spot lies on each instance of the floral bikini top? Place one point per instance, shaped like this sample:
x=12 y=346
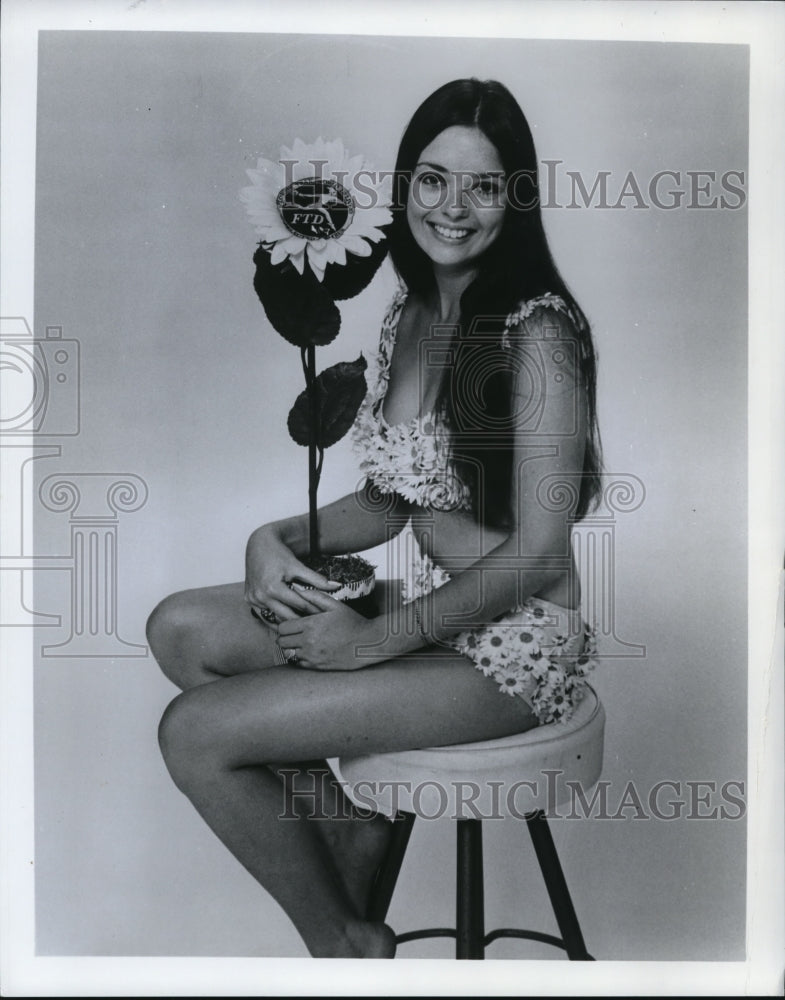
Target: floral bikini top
x=414 y=458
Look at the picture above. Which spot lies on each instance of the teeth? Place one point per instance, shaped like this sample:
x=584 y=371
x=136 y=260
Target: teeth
x=451 y=234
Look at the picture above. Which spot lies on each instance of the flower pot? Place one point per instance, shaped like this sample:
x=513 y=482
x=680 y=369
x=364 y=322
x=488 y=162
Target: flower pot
x=357 y=578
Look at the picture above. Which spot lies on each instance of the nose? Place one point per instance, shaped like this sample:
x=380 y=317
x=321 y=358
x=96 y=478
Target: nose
x=457 y=204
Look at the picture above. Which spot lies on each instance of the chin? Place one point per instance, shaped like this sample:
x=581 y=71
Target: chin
x=447 y=256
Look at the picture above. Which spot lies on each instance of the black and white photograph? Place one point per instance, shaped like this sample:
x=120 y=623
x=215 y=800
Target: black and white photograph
x=392 y=533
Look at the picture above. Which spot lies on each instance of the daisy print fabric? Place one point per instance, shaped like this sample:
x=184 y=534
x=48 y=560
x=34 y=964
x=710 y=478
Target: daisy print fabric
x=539 y=651
x=534 y=653
x=414 y=458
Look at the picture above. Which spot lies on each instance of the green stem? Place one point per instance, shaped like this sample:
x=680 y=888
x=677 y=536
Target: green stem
x=313 y=438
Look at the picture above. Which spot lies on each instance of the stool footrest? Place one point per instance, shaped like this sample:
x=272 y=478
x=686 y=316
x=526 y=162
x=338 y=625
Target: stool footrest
x=511 y=932
x=502 y=932
x=431 y=932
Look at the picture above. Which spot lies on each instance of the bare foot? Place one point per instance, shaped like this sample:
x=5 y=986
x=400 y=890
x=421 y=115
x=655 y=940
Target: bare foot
x=371 y=940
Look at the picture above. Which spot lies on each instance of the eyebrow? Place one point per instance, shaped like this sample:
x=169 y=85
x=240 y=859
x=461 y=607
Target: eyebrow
x=493 y=174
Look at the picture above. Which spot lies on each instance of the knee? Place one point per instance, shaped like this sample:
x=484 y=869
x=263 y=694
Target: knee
x=180 y=739
x=167 y=623
x=173 y=634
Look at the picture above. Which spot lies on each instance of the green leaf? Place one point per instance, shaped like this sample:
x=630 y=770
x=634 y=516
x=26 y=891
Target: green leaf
x=340 y=390
x=300 y=308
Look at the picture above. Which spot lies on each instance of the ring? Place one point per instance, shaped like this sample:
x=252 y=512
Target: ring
x=263 y=612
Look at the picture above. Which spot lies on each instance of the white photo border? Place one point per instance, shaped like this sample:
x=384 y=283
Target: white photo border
x=759 y=25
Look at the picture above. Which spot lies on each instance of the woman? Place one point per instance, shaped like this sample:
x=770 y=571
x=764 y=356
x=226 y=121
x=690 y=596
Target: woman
x=472 y=442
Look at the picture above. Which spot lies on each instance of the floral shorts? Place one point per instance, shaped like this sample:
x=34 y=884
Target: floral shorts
x=539 y=651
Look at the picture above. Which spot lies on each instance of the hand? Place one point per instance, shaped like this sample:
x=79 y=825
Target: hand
x=270 y=568
x=328 y=640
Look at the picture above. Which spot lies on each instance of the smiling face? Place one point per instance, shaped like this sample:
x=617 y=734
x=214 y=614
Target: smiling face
x=456 y=203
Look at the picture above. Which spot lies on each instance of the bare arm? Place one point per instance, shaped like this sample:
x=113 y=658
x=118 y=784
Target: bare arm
x=351 y=524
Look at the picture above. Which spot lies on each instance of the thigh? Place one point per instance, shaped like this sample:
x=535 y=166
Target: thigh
x=289 y=714
x=209 y=629
x=212 y=629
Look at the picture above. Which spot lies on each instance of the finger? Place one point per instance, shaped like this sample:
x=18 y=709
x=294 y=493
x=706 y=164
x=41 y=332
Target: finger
x=263 y=601
x=304 y=662
x=284 y=598
x=297 y=600
x=283 y=612
x=264 y=616
x=295 y=659
x=292 y=627
x=305 y=575
x=307 y=593
x=324 y=602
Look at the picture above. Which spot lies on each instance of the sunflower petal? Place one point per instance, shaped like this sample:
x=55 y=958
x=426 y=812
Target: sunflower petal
x=292 y=247
x=336 y=253
x=317 y=264
x=298 y=260
x=356 y=245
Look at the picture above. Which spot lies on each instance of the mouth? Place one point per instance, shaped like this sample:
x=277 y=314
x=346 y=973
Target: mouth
x=451 y=234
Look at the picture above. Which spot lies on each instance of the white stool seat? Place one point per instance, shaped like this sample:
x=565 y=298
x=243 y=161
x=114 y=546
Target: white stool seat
x=514 y=776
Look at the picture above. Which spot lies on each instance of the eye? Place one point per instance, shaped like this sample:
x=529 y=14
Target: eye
x=429 y=189
x=488 y=187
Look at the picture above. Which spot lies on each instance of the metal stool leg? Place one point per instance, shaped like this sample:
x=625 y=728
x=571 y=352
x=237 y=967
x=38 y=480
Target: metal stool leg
x=387 y=876
x=469 y=931
x=470 y=904
x=557 y=887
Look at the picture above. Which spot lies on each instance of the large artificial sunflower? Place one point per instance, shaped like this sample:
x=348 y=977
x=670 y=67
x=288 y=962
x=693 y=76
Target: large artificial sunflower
x=316 y=203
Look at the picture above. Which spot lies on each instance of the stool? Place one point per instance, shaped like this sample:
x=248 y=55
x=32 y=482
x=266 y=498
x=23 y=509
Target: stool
x=522 y=777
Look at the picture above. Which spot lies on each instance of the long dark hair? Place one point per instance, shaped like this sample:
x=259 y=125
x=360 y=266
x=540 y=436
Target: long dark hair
x=516 y=268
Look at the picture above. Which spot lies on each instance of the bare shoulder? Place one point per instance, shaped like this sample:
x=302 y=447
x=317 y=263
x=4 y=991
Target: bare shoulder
x=545 y=317
x=544 y=336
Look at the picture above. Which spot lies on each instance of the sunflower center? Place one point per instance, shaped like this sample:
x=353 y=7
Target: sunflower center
x=315 y=208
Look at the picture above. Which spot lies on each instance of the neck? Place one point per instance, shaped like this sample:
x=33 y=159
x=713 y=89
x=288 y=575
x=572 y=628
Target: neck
x=450 y=286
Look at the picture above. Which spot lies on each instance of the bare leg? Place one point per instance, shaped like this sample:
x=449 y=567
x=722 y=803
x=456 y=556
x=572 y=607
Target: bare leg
x=216 y=736
x=355 y=844
x=243 y=806
x=199 y=636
